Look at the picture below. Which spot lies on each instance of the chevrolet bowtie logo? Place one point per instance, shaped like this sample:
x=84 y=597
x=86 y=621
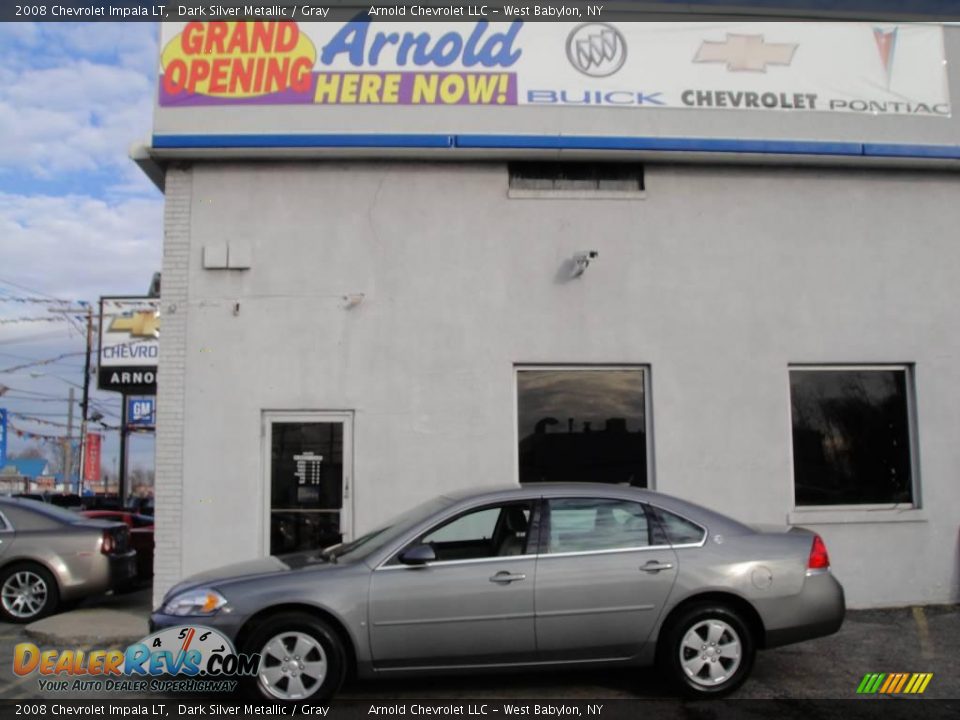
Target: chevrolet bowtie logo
x=144 y=323
x=745 y=53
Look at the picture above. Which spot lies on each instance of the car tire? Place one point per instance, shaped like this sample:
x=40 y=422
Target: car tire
x=28 y=592
x=301 y=659
x=707 y=651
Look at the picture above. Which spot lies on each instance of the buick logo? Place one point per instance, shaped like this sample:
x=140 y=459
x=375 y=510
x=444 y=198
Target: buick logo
x=596 y=49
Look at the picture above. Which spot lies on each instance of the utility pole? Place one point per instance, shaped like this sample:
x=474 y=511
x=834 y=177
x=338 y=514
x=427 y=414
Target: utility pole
x=85 y=403
x=67 y=450
x=87 y=310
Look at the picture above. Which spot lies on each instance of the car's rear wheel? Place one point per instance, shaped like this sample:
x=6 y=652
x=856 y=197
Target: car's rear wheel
x=301 y=658
x=28 y=592
x=708 y=651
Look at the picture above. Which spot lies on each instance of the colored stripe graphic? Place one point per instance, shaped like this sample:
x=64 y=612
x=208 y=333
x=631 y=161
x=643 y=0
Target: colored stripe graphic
x=894 y=683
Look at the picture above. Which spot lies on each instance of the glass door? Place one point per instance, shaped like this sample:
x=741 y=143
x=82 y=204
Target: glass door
x=309 y=461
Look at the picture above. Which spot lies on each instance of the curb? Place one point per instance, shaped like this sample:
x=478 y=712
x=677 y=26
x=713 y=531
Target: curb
x=47 y=637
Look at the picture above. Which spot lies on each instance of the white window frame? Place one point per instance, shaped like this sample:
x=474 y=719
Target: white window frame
x=268 y=417
x=868 y=512
x=647 y=405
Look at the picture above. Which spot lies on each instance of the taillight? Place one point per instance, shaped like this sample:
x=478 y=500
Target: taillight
x=819 y=560
x=108 y=544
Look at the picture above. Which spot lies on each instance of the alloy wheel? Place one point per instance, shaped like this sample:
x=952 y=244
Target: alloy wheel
x=710 y=652
x=293 y=666
x=24 y=594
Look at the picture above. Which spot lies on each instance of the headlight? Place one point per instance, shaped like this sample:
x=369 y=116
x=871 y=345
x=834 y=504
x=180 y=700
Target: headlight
x=202 y=601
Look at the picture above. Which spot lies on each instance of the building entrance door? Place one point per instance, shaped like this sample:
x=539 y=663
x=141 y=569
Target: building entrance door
x=308 y=462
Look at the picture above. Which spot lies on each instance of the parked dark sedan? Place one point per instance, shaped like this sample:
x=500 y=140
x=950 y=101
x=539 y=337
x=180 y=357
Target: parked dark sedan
x=49 y=555
x=526 y=577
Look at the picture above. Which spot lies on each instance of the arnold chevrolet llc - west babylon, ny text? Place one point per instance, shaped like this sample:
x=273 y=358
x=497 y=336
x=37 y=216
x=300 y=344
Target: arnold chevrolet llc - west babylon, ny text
x=220 y=12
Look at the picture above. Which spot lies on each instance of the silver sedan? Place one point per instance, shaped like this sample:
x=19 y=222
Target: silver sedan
x=49 y=555
x=524 y=577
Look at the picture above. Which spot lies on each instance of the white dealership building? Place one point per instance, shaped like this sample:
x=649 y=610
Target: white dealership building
x=714 y=259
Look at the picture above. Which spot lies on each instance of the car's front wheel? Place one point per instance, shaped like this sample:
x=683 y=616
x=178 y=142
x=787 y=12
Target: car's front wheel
x=708 y=651
x=28 y=592
x=301 y=658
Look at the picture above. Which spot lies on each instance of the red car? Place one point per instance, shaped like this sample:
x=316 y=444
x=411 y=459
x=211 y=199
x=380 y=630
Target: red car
x=141 y=536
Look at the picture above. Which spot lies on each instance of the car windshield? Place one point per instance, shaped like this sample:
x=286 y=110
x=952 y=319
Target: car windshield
x=373 y=541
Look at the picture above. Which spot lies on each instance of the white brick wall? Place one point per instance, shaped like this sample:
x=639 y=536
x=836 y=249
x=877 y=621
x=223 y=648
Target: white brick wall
x=169 y=550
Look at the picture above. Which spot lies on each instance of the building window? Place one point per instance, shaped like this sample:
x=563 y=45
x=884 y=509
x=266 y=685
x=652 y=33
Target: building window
x=583 y=425
x=851 y=435
x=576 y=179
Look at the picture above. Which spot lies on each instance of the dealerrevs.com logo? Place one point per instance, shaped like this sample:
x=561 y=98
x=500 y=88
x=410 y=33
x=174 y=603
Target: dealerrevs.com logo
x=188 y=658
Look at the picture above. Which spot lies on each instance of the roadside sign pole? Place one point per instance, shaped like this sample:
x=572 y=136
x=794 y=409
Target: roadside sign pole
x=122 y=473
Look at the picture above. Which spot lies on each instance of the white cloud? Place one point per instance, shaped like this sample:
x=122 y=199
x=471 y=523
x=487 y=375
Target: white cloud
x=73 y=97
x=79 y=247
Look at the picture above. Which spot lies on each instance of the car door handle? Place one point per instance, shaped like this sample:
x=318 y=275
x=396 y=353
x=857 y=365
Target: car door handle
x=505 y=578
x=653 y=566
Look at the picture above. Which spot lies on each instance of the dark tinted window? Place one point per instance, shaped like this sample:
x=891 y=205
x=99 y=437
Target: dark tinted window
x=306 y=489
x=584 y=524
x=582 y=425
x=675 y=530
x=851 y=436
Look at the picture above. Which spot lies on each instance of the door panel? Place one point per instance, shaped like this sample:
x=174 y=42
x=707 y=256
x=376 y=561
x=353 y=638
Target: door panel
x=453 y=614
x=598 y=594
x=472 y=606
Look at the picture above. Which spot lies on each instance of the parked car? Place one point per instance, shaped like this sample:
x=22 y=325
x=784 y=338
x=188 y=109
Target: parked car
x=525 y=577
x=141 y=536
x=70 y=501
x=49 y=555
x=102 y=501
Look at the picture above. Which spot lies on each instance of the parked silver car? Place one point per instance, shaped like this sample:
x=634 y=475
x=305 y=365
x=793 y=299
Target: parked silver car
x=49 y=555
x=525 y=577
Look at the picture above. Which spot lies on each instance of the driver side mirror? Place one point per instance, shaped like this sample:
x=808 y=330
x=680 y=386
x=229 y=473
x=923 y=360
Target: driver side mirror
x=418 y=555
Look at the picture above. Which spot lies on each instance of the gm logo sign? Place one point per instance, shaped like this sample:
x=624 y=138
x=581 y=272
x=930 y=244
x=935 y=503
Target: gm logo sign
x=596 y=49
x=142 y=411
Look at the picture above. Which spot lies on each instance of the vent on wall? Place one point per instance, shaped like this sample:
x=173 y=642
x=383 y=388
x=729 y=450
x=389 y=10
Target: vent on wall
x=576 y=179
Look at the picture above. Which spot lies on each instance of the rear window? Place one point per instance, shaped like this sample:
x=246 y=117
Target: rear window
x=33 y=515
x=674 y=529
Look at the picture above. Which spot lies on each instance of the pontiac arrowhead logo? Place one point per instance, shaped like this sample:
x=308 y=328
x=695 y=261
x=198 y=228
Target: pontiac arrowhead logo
x=141 y=324
x=745 y=53
x=886 y=45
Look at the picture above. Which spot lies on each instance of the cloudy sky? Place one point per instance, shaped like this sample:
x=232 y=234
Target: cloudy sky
x=77 y=218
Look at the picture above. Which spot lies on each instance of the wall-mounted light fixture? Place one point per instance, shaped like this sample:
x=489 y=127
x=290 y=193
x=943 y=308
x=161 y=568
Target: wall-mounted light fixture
x=581 y=261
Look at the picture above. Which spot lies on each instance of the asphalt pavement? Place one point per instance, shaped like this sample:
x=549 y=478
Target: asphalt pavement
x=911 y=640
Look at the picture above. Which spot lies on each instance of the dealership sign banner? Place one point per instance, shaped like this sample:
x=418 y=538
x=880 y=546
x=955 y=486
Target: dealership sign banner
x=867 y=68
x=129 y=344
x=91 y=462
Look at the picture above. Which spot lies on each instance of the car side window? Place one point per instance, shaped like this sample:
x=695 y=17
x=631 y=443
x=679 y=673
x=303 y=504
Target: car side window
x=492 y=531
x=585 y=524
x=675 y=530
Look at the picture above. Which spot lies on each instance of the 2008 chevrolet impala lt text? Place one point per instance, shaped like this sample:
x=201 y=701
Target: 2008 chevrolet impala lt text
x=524 y=577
